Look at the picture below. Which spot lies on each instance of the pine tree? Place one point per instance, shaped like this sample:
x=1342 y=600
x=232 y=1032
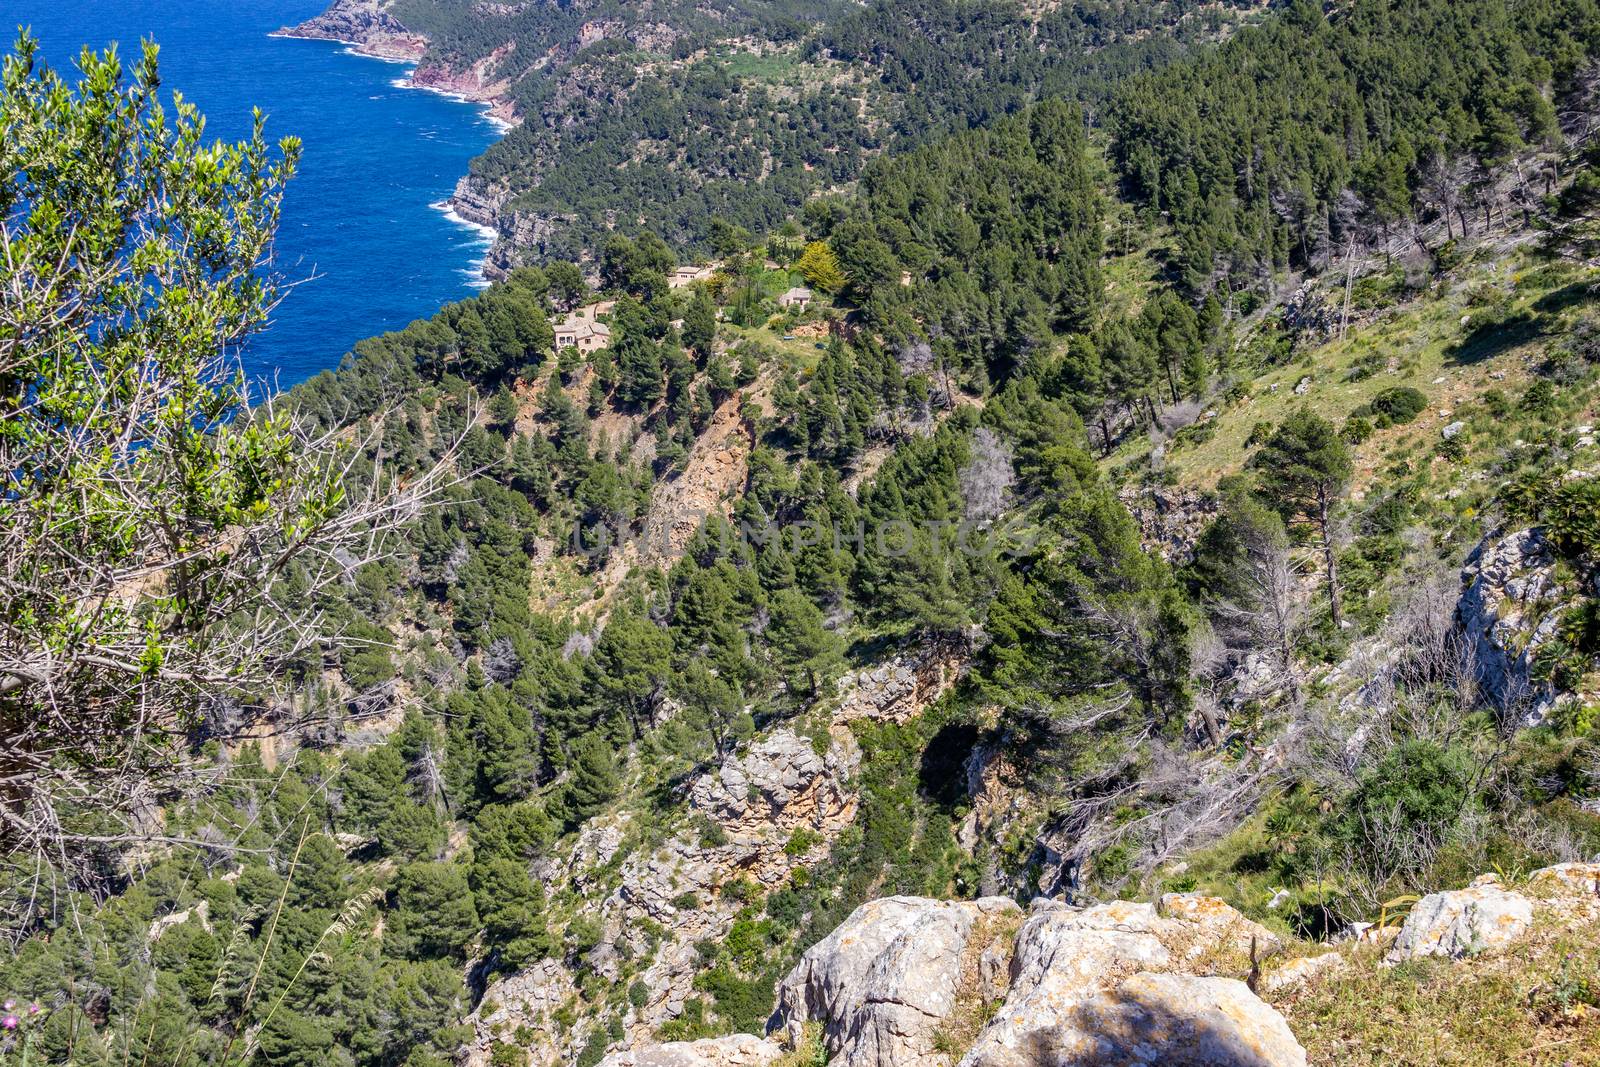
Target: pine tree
x=802 y=641
x=511 y=906
x=700 y=325
x=1303 y=469
x=433 y=913
x=594 y=781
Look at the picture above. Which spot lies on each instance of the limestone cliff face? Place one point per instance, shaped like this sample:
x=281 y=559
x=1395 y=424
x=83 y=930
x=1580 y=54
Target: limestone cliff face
x=655 y=904
x=1511 y=602
x=368 y=25
x=753 y=820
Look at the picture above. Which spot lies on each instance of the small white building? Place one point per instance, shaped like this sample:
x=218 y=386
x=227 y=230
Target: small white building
x=798 y=297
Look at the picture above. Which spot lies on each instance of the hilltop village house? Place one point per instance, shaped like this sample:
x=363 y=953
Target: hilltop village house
x=682 y=276
x=583 y=330
x=798 y=297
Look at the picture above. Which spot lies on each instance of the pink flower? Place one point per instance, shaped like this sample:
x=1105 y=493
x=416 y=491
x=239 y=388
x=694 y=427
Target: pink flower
x=33 y=1009
x=10 y=1022
x=10 y=1004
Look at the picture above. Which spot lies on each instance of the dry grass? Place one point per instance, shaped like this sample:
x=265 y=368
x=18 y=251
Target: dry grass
x=1533 y=1004
x=977 y=997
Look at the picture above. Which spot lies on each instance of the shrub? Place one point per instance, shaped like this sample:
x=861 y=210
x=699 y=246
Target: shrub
x=504 y=1055
x=1415 y=794
x=1540 y=399
x=1397 y=406
x=1356 y=430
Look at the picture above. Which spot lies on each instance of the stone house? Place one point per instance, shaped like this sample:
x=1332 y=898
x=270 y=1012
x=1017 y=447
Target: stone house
x=798 y=297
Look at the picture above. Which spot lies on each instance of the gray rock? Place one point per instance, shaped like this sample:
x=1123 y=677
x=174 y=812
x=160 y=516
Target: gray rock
x=1462 y=922
x=886 y=979
x=1215 y=925
x=1568 y=879
x=1154 y=1020
x=1062 y=956
x=738 y=1050
x=1510 y=605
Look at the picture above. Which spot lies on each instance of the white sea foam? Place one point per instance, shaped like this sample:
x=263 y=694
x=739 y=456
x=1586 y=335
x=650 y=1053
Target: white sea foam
x=485 y=110
x=351 y=50
x=486 y=234
x=484 y=239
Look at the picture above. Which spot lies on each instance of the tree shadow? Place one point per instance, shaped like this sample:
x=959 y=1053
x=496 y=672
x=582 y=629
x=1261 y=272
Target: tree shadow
x=942 y=773
x=1496 y=336
x=1571 y=295
x=1128 y=1028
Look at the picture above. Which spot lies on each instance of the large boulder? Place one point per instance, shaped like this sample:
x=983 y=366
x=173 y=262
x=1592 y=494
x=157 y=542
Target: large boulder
x=1082 y=993
x=1062 y=956
x=738 y=1050
x=886 y=980
x=1148 y=1020
x=1462 y=922
x=1211 y=927
x=1177 y=1020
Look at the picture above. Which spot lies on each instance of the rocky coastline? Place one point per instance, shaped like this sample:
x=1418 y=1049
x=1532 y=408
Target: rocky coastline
x=366 y=26
x=370 y=29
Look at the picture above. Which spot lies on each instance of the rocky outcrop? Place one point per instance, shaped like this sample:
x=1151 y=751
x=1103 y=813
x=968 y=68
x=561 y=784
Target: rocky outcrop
x=1463 y=922
x=902 y=687
x=1170 y=520
x=526 y=1004
x=1511 y=603
x=782 y=782
x=886 y=981
x=478 y=82
x=739 y=1050
x=758 y=815
x=896 y=982
x=369 y=26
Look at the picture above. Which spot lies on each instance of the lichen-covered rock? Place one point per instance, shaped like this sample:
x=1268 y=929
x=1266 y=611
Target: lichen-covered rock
x=1152 y=1020
x=1301 y=970
x=1063 y=956
x=1567 y=878
x=738 y=1050
x=1213 y=925
x=1462 y=922
x=886 y=979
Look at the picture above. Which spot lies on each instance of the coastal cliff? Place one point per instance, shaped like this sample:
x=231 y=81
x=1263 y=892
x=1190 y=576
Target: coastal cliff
x=368 y=26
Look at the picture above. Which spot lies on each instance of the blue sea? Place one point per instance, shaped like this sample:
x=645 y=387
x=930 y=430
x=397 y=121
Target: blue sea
x=361 y=235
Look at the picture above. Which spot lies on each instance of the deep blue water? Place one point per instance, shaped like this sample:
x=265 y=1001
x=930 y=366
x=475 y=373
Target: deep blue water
x=359 y=233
